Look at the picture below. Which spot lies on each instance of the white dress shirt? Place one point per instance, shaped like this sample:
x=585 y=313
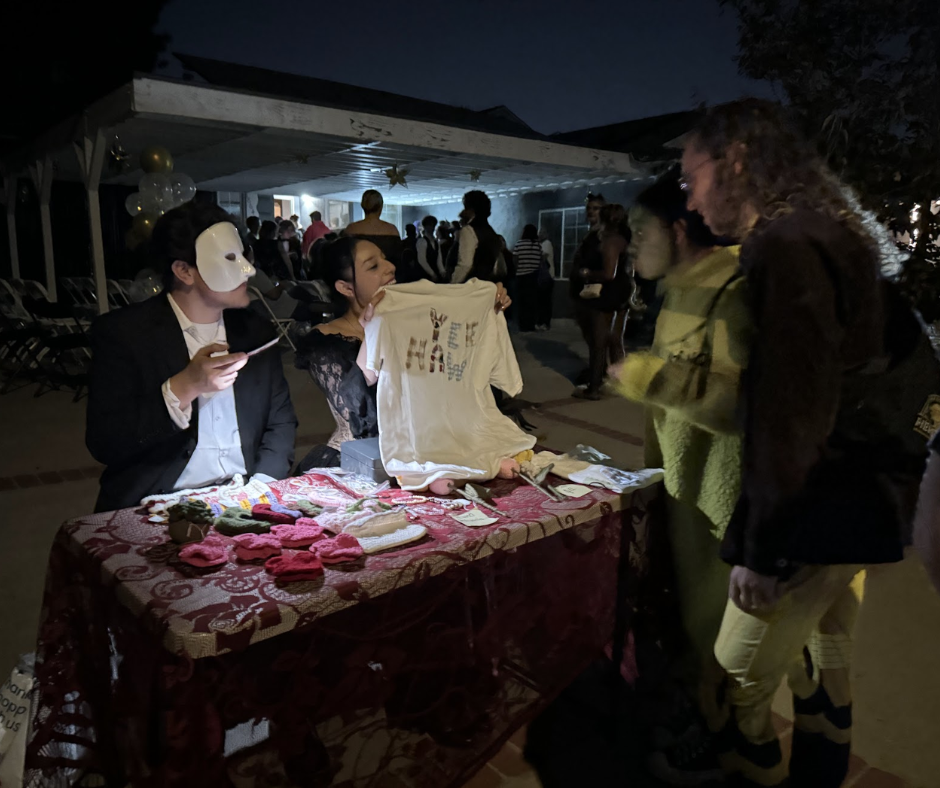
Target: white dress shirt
x=218 y=454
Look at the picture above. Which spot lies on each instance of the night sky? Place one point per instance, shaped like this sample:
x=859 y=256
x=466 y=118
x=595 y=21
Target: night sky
x=556 y=68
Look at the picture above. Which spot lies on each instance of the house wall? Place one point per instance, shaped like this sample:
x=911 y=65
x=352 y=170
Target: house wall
x=512 y=213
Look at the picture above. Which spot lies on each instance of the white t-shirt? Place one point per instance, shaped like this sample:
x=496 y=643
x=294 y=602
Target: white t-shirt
x=437 y=349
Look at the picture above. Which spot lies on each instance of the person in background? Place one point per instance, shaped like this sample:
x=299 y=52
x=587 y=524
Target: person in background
x=605 y=288
x=587 y=256
x=815 y=508
x=295 y=220
x=270 y=254
x=313 y=233
x=689 y=382
x=253 y=223
x=174 y=401
x=290 y=243
x=430 y=258
x=546 y=295
x=445 y=239
x=408 y=270
x=927 y=521
x=372 y=228
x=479 y=249
x=528 y=254
x=275 y=294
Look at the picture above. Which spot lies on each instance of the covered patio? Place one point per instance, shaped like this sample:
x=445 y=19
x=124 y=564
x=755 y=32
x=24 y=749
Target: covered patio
x=241 y=141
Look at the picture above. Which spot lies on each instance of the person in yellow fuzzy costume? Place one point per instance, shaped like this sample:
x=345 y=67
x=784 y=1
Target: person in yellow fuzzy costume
x=689 y=381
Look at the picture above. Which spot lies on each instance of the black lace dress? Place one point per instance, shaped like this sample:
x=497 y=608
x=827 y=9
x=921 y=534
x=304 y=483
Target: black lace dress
x=331 y=361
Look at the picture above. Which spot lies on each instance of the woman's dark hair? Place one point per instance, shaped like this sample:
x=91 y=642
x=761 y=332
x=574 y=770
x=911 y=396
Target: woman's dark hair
x=591 y=197
x=338 y=264
x=666 y=200
x=174 y=237
x=285 y=225
x=268 y=231
x=530 y=233
x=780 y=169
x=614 y=219
x=479 y=203
x=429 y=223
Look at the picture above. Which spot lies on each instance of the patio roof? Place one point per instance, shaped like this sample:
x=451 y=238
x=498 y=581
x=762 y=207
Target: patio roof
x=238 y=140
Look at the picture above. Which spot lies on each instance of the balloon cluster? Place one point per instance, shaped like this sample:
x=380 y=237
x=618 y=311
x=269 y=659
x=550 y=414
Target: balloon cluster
x=159 y=191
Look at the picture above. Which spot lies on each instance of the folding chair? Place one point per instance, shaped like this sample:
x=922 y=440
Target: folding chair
x=116 y=295
x=280 y=323
x=71 y=286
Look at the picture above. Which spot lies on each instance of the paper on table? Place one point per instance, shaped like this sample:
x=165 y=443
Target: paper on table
x=573 y=490
x=474 y=518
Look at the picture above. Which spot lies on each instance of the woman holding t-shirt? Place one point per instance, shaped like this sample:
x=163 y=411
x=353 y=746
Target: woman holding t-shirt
x=356 y=271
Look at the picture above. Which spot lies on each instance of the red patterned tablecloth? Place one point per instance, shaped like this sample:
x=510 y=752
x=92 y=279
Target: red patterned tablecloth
x=411 y=665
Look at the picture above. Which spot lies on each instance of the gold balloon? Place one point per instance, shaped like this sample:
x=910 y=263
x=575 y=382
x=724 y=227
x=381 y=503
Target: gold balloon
x=143 y=225
x=156 y=159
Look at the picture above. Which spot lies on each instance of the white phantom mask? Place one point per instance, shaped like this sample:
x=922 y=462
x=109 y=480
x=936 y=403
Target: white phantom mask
x=220 y=258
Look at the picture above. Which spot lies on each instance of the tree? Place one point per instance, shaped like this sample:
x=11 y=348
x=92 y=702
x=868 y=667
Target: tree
x=864 y=80
x=58 y=59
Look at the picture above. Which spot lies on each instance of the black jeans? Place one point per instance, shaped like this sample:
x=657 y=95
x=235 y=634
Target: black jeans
x=595 y=327
x=545 y=304
x=527 y=293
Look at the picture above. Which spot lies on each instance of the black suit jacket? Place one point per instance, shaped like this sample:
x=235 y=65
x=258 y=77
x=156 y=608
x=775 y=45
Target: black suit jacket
x=128 y=429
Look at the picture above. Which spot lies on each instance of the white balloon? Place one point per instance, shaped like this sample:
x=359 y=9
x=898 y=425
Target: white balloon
x=156 y=192
x=134 y=204
x=184 y=188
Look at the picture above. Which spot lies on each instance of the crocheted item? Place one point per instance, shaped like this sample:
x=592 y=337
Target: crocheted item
x=290 y=567
x=274 y=513
x=375 y=544
x=335 y=551
x=303 y=534
x=235 y=520
x=189 y=521
x=256 y=547
x=210 y=552
x=308 y=508
x=376 y=524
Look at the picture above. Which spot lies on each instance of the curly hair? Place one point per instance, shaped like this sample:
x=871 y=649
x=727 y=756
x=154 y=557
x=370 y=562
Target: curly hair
x=780 y=170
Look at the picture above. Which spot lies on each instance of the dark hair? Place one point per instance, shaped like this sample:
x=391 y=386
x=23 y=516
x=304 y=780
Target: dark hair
x=780 y=169
x=338 y=264
x=268 y=230
x=411 y=231
x=479 y=203
x=372 y=201
x=252 y=221
x=666 y=200
x=591 y=197
x=429 y=221
x=614 y=219
x=285 y=224
x=316 y=216
x=530 y=233
x=174 y=237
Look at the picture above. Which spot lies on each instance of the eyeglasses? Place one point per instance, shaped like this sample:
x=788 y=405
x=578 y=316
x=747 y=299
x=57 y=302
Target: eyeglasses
x=685 y=178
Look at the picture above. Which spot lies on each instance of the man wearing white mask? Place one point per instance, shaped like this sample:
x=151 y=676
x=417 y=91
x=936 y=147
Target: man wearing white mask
x=176 y=399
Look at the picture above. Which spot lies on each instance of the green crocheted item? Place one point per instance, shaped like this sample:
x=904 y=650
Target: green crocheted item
x=358 y=505
x=235 y=520
x=307 y=508
x=191 y=511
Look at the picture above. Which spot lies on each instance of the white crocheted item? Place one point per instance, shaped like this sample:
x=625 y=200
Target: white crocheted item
x=376 y=524
x=375 y=544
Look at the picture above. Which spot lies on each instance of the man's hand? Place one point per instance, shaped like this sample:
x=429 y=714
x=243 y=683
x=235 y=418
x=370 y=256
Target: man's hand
x=206 y=375
x=751 y=592
x=503 y=301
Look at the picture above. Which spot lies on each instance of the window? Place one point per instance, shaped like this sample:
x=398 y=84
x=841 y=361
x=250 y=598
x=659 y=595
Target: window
x=285 y=206
x=337 y=214
x=392 y=215
x=566 y=228
x=232 y=203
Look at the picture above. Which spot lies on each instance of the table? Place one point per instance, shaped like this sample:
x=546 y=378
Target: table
x=407 y=668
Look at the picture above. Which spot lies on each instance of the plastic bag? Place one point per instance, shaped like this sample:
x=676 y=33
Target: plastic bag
x=15 y=711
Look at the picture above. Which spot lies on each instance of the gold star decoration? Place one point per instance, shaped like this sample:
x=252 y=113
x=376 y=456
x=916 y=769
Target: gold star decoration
x=475 y=175
x=396 y=176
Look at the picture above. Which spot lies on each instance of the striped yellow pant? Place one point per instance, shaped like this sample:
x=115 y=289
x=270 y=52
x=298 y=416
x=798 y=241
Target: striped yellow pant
x=806 y=638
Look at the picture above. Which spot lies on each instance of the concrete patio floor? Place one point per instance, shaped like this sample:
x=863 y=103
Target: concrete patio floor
x=47 y=477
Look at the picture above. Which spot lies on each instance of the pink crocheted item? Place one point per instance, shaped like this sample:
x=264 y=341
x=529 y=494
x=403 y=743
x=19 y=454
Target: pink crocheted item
x=335 y=551
x=297 y=535
x=274 y=513
x=289 y=567
x=209 y=552
x=256 y=547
